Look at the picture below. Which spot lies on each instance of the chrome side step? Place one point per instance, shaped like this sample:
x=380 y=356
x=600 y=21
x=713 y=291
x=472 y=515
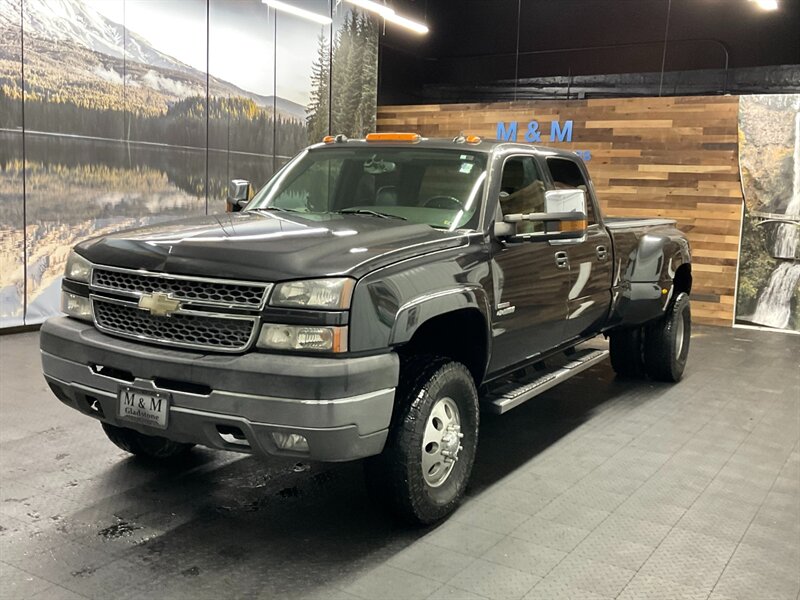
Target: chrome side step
x=512 y=395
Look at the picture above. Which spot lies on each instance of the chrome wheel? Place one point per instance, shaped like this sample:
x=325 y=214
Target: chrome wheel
x=679 y=334
x=441 y=442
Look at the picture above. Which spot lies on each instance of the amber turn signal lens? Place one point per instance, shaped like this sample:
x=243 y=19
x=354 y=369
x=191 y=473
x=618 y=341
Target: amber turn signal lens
x=572 y=225
x=393 y=137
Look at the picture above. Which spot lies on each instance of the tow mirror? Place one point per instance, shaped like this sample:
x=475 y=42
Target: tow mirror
x=240 y=192
x=564 y=218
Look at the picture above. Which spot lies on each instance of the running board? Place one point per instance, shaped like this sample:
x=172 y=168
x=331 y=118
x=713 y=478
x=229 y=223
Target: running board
x=505 y=399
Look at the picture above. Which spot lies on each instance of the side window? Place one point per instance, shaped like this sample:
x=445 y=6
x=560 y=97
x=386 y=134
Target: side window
x=521 y=187
x=566 y=175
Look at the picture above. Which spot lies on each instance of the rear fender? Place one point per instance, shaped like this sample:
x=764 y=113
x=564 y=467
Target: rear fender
x=644 y=291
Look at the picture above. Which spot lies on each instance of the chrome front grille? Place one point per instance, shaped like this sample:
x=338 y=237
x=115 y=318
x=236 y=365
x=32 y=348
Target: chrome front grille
x=196 y=290
x=185 y=329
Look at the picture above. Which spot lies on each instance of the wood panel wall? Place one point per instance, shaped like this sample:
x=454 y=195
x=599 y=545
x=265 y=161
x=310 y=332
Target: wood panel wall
x=650 y=157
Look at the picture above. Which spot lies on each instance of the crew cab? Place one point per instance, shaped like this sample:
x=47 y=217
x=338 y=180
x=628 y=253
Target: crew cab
x=367 y=303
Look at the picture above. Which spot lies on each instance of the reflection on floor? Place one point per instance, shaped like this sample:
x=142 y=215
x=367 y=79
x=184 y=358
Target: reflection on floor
x=598 y=489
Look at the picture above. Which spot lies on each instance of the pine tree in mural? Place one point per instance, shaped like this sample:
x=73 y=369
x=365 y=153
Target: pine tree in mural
x=352 y=80
x=319 y=105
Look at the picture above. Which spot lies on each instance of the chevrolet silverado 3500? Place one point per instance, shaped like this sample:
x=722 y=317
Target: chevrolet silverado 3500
x=367 y=303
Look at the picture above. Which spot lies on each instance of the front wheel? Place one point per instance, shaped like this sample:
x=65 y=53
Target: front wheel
x=145 y=446
x=666 y=342
x=426 y=463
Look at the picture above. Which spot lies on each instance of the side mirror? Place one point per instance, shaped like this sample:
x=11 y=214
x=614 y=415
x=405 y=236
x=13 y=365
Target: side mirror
x=564 y=217
x=565 y=201
x=502 y=229
x=240 y=192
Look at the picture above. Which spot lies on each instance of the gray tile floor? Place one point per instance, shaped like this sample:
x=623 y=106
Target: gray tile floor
x=600 y=489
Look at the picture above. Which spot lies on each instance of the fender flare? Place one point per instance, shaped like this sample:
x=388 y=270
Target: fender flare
x=647 y=287
x=421 y=309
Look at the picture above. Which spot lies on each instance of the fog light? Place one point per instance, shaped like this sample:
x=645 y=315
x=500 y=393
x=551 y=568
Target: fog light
x=290 y=441
x=78 y=307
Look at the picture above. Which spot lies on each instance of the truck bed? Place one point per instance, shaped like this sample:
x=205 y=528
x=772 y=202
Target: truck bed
x=618 y=223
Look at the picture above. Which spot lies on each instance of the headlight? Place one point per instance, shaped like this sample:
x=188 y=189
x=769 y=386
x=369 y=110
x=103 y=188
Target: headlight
x=331 y=294
x=302 y=337
x=79 y=307
x=78 y=268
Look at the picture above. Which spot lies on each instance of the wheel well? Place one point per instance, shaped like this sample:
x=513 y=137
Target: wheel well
x=682 y=281
x=459 y=335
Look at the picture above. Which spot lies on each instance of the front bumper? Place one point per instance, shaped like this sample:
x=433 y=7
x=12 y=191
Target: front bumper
x=341 y=406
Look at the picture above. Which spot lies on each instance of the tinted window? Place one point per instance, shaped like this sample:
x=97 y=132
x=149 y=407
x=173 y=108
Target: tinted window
x=522 y=190
x=522 y=187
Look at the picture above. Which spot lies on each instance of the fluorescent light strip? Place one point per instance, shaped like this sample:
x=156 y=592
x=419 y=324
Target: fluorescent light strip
x=408 y=24
x=766 y=4
x=298 y=12
x=381 y=9
x=391 y=16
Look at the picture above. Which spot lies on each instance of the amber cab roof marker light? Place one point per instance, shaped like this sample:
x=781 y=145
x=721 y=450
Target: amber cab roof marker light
x=467 y=139
x=393 y=137
x=330 y=139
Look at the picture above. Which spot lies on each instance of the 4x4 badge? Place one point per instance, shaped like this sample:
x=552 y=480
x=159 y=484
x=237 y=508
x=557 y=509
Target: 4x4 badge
x=159 y=305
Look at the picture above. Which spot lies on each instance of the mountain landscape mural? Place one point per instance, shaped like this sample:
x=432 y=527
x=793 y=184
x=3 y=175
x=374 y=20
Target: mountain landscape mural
x=123 y=127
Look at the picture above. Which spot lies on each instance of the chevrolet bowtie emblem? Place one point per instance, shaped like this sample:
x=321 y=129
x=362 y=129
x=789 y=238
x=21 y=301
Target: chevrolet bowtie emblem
x=159 y=305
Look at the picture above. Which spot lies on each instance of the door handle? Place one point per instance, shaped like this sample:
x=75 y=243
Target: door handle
x=562 y=260
x=602 y=253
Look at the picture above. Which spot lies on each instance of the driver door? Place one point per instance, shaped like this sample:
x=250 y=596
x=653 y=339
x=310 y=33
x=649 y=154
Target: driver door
x=530 y=278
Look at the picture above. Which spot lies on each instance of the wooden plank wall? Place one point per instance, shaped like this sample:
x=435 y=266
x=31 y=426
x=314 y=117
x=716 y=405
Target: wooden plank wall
x=650 y=157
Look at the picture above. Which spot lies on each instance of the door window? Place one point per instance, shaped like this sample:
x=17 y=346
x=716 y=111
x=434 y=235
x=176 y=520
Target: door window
x=522 y=191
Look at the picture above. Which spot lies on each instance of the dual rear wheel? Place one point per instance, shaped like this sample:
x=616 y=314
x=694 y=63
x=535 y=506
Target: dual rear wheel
x=658 y=349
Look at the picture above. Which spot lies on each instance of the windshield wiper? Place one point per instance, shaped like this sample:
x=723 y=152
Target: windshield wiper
x=367 y=211
x=278 y=209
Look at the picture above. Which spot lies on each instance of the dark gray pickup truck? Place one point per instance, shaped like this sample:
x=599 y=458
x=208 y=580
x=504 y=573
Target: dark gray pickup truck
x=367 y=302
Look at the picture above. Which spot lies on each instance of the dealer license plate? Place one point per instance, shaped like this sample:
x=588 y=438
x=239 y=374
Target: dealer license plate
x=143 y=406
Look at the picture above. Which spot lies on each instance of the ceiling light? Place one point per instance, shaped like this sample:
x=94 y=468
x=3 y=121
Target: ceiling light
x=409 y=24
x=391 y=16
x=766 y=4
x=298 y=12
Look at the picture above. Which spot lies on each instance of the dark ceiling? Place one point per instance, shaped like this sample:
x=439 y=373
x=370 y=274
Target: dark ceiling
x=474 y=42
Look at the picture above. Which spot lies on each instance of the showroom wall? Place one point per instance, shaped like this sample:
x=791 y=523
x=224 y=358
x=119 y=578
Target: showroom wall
x=665 y=157
x=138 y=111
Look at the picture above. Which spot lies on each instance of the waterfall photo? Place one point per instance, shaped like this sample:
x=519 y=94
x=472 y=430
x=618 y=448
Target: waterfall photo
x=768 y=293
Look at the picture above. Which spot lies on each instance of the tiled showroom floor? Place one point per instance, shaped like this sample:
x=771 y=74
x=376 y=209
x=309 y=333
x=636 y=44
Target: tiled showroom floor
x=600 y=489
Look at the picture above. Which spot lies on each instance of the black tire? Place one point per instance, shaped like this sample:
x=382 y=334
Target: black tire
x=145 y=446
x=627 y=352
x=396 y=475
x=666 y=342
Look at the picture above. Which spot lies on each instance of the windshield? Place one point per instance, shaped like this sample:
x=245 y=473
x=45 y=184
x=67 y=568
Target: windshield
x=440 y=188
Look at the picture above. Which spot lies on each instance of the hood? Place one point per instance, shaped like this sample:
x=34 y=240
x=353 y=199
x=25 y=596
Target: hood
x=270 y=246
